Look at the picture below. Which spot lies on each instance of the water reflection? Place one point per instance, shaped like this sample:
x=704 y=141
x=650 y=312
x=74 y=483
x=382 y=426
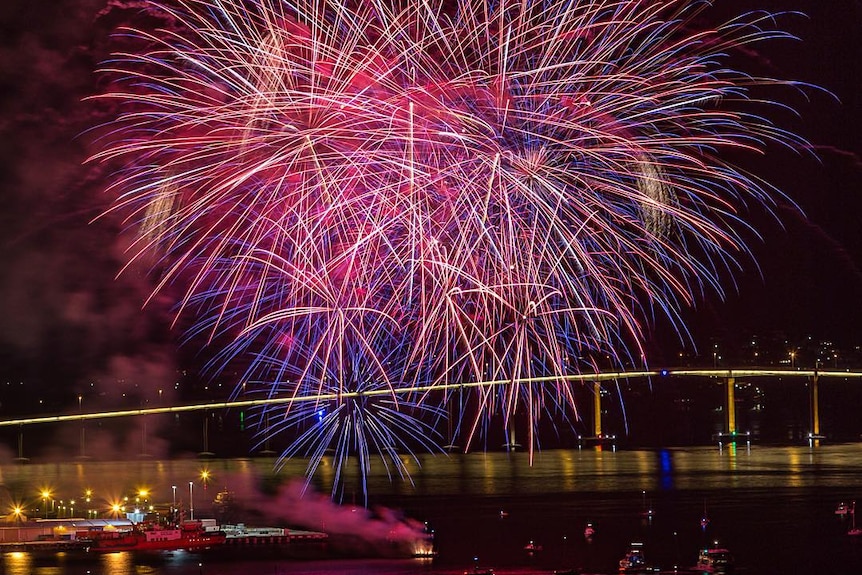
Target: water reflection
x=473 y=473
x=794 y=469
x=666 y=470
x=20 y=563
x=17 y=563
x=119 y=563
x=758 y=499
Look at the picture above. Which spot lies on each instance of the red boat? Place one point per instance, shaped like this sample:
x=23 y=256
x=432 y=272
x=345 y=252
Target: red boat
x=152 y=537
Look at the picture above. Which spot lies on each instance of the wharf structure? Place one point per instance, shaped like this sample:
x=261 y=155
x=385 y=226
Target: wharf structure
x=56 y=535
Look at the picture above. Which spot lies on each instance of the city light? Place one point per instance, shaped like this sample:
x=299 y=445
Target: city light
x=46 y=495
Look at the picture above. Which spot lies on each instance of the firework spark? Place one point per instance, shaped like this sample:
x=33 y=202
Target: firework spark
x=372 y=195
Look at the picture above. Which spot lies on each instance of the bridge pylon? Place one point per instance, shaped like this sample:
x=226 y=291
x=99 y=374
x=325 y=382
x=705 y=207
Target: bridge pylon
x=814 y=435
x=730 y=433
x=599 y=438
x=21 y=458
x=597 y=409
x=730 y=420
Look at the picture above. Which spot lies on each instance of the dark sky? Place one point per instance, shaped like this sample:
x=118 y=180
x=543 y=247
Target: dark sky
x=810 y=278
x=67 y=323
x=67 y=326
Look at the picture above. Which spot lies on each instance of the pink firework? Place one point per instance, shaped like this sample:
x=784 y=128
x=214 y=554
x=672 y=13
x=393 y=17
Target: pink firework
x=401 y=198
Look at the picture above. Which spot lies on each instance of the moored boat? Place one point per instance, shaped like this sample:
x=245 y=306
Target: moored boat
x=635 y=562
x=855 y=531
x=714 y=560
x=189 y=535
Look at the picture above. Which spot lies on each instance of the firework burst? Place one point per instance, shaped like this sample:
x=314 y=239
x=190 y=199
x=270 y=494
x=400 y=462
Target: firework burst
x=408 y=195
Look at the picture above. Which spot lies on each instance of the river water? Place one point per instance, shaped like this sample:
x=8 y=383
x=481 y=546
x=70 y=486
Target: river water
x=773 y=507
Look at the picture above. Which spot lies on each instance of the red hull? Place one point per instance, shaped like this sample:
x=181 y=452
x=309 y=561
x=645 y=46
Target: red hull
x=155 y=540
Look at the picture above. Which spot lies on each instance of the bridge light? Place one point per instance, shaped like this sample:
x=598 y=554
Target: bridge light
x=663 y=373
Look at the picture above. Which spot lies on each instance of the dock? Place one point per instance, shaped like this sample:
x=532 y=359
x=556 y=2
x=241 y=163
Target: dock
x=71 y=535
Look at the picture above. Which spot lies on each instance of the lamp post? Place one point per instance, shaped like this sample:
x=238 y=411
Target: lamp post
x=45 y=495
x=17 y=511
x=191 y=501
x=174 y=503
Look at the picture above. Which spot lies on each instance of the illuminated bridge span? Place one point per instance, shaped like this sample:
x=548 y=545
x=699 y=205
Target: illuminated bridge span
x=728 y=375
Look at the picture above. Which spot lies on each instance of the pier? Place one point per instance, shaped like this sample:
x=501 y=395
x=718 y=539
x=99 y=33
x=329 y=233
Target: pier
x=74 y=535
x=289 y=537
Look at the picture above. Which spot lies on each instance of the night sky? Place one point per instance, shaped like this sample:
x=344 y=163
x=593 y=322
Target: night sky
x=68 y=325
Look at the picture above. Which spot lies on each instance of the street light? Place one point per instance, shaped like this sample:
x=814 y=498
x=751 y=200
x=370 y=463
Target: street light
x=191 y=501
x=174 y=503
x=17 y=511
x=45 y=496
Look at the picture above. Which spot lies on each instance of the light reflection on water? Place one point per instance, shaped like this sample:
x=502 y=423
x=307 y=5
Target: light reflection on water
x=474 y=473
x=17 y=563
x=760 y=499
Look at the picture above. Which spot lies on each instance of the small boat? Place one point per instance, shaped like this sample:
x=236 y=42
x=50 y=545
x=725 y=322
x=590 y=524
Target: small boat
x=855 y=531
x=842 y=509
x=476 y=570
x=589 y=531
x=635 y=562
x=532 y=547
x=425 y=553
x=714 y=560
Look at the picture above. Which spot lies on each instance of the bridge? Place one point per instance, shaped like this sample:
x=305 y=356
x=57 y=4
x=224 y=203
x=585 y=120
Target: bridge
x=728 y=376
